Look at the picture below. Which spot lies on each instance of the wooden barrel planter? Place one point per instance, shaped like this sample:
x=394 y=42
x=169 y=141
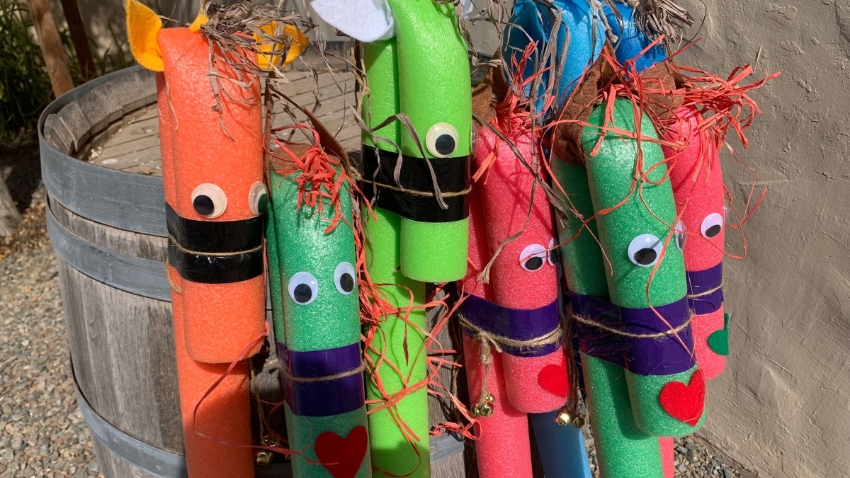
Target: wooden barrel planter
x=107 y=227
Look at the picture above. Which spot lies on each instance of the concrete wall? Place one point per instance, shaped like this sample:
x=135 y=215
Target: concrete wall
x=783 y=406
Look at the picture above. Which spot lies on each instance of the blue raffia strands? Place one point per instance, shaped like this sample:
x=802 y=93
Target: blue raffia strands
x=582 y=35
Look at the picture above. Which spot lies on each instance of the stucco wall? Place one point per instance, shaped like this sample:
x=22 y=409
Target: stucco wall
x=783 y=406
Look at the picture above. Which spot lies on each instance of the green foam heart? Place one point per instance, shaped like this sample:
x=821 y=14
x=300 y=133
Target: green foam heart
x=719 y=340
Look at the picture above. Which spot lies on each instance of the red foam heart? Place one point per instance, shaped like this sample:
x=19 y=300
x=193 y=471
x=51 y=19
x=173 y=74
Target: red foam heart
x=553 y=379
x=342 y=457
x=685 y=402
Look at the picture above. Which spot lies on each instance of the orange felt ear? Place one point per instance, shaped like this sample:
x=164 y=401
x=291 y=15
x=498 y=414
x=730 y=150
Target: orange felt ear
x=299 y=44
x=143 y=25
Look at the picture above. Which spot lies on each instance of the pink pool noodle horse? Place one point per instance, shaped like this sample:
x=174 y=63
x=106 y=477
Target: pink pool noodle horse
x=697 y=180
x=520 y=302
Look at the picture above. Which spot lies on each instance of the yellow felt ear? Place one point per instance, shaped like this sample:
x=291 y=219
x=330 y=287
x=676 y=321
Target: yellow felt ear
x=299 y=44
x=142 y=27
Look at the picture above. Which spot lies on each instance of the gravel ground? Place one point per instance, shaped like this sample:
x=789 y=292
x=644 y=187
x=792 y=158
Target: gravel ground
x=42 y=433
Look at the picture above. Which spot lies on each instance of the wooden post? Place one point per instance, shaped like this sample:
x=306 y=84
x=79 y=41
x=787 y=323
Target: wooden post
x=10 y=218
x=78 y=36
x=51 y=46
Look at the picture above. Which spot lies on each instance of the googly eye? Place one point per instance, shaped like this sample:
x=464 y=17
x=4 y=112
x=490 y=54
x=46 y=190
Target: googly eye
x=473 y=136
x=681 y=236
x=209 y=200
x=441 y=140
x=645 y=250
x=712 y=225
x=303 y=288
x=344 y=278
x=532 y=257
x=552 y=257
x=258 y=198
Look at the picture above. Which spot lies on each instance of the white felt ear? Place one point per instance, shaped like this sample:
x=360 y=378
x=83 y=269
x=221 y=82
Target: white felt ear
x=468 y=7
x=364 y=20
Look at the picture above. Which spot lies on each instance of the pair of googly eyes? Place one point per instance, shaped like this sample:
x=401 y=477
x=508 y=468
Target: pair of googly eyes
x=442 y=140
x=304 y=288
x=209 y=200
x=645 y=249
x=534 y=256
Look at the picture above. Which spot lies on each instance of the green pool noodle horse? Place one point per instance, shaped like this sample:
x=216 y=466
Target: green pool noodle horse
x=316 y=314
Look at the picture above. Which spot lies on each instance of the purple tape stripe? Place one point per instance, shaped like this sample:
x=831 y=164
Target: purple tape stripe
x=514 y=323
x=700 y=282
x=326 y=398
x=644 y=356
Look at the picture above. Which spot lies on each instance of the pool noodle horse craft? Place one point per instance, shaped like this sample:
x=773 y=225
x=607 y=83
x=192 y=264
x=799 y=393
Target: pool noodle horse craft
x=515 y=362
x=416 y=154
x=215 y=200
x=311 y=252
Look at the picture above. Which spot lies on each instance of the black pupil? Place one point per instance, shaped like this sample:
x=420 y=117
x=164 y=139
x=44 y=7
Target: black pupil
x=346 y=282
x=534 y=263
x=203 y=205
x=445 y=144
x=262 y=203
x=303 y=293
x=713 y=231
x=645 y=256
x=553 y=256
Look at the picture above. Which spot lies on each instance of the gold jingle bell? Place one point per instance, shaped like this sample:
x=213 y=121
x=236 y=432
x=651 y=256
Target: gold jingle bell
x=476 y=410
x=565 y=417
x=489 y=398
x=486 y=409
x=264 y=457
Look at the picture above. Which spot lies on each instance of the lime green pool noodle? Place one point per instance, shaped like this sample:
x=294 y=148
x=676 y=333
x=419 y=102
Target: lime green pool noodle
x=390 y=450
x=624 y=450
x=381 y=64
x=432 y=81
x=610 y=176
x=305 y=430
x=332 y=320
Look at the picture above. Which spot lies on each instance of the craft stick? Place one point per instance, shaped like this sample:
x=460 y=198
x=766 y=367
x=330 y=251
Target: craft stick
x=623 y=450
x=523 y=279
x=580 y=31
x=319 y=335
x=646 y=277
x=697 y=180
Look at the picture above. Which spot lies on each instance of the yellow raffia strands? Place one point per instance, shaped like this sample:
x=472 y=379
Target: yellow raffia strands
x=299 y=44
x=143 y=25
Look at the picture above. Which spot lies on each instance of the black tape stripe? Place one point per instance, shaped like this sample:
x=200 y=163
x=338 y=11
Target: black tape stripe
x=453 y=176
x=207 y=269
x=215 y=236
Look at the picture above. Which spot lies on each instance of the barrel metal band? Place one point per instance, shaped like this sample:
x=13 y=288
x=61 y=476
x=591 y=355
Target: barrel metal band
x=413 y=196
